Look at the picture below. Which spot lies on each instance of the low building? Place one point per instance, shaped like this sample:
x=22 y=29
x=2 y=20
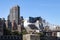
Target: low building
x=31 y=37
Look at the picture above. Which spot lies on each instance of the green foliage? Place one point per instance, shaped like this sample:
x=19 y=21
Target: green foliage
x=16 y=33
x=41 y=34
x=8 y=32
x=24 y=32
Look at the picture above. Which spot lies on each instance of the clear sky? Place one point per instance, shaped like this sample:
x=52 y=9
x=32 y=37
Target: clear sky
x=47 y=9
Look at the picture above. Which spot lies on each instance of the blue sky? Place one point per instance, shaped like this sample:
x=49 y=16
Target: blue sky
x=47 y=9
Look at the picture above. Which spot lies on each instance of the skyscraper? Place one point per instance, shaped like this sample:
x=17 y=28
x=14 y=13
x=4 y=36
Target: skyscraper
x=14 y=14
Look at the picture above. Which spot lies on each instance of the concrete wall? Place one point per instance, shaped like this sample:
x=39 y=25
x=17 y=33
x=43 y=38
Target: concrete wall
x=31 y=37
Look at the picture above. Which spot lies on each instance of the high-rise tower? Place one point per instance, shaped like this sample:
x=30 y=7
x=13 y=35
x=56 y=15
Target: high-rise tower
x=14 y=14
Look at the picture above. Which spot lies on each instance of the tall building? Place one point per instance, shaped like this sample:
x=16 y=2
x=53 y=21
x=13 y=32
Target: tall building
x=14 y=14
x=2 y=26
x=14 y=26
x=8 y=24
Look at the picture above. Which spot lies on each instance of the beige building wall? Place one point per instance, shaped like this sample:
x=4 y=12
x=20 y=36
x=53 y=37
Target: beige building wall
x=19 y=28
x=31 y=37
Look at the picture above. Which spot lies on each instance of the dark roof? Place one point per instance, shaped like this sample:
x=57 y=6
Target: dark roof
x=32 y=26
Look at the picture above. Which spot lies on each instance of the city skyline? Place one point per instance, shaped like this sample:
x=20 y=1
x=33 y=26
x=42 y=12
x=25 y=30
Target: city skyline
x=48 y=10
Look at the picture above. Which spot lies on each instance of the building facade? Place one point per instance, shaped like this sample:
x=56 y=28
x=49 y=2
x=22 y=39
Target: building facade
x=31 y=37
x=14 y=14
x=34 y=19
x=2 y=25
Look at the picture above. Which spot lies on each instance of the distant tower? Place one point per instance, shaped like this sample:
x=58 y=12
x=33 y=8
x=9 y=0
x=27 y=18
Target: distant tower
x=14 y=14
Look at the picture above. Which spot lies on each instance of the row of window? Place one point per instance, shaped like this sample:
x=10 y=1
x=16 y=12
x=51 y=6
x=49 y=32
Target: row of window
x=10 y=37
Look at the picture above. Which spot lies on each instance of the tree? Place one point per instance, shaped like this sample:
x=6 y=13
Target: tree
x=7 y=32
x=16 y=33
x=24 y=32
